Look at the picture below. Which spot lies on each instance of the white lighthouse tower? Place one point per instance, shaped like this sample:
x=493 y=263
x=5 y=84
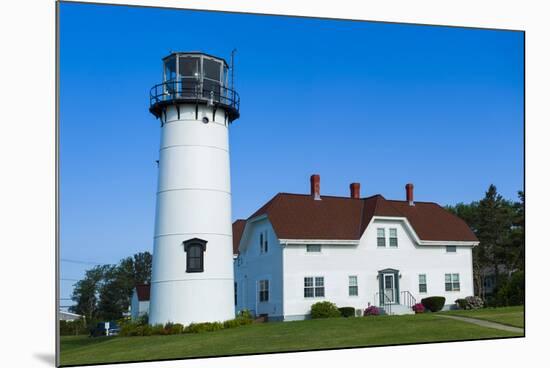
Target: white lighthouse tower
x=192 y=277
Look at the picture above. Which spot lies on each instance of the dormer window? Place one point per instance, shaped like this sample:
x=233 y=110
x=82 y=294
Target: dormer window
x=393 y=237
x=195 y=249
x=381 y=237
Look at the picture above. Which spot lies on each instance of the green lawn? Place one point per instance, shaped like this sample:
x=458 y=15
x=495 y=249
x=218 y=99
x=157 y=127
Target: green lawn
x=274 y=337
x=512 y=316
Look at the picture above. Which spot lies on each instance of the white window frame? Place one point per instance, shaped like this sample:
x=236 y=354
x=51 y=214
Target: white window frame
x=447 y=247
x=378 y=230
x=314 y=286
x=393 y=237
x=453 y=281
x=264 y=245
x=313 y=251
x=353 y=285
x=425 y=283
x=261 y=289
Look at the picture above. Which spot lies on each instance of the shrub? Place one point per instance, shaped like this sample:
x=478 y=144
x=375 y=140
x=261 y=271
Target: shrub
x=143 y=319
x=372 y=310
x=246 y=314
x=174 y=328
x=324 y=310
x=75 y=327
x=231 y=323
x=434 y=303
x=147 y=330
x=474 y=302
x=347 y=311
x=158 y=329
x=203 y=327
x=461 y=303
x=418 y=308
x=128 y=329
x=470 y=302
x=512 y=291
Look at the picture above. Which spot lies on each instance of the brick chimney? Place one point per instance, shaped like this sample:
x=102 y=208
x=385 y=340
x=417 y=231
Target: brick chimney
x=409 y=188
x=355 y=190
x=315 y=186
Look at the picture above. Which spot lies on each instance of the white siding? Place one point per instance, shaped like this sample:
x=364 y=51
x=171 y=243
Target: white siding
x=252 y=266
x=336 y=262
x=138 y=308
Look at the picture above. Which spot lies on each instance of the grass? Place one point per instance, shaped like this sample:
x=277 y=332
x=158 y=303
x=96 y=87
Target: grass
x=512 y=316
x=274 y=337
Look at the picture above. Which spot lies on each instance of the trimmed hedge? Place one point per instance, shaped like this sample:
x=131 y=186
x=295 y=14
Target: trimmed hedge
x=203 y=327
x=347 y=311
x=324 y=310
x=433 y=303
x=139 y=328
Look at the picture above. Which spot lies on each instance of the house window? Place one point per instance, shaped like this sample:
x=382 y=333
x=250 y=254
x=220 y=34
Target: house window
x=353 y=289
x=422 y=285
x=263 y=242
x=393 y=237
x=314 y=287
x=195 y=249
x=452 y=282
x=313 y=248
x=264 y=290
x=381 y=237
x=451 y=248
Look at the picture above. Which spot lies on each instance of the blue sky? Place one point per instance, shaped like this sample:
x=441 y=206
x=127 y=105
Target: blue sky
x=380 y=104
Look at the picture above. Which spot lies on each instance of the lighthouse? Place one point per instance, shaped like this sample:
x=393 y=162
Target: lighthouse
x=192 y=275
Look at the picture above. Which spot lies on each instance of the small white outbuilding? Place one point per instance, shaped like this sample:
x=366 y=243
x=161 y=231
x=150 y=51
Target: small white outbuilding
x=140 y=301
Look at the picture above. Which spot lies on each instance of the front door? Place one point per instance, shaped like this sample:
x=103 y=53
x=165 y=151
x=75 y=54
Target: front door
x=389 y=288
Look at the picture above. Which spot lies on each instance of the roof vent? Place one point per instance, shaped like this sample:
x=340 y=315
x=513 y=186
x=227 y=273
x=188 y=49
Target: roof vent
x=315 y=181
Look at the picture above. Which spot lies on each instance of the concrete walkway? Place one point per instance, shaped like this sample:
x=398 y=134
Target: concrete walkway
x=484 y=323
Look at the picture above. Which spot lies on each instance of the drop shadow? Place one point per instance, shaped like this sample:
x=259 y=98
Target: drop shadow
x=46 y=358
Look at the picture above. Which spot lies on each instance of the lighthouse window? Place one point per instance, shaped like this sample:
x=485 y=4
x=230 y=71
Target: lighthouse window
x=212 y=69
x=170 y=69
x=170 y=76
x=189 y=67
x=195 y=254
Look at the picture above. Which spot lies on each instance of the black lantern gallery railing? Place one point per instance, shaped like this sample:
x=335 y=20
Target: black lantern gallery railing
x=191 y=91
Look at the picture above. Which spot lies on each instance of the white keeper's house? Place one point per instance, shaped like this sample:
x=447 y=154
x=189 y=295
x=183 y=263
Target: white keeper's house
x=300 y=249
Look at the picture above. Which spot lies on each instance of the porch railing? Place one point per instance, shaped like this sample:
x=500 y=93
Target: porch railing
x=407 y=299
x=384 y=301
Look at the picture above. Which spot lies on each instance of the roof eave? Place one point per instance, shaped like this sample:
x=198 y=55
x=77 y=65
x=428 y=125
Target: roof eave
x=319 y=241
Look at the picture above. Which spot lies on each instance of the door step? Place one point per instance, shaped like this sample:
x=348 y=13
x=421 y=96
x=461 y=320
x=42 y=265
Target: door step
x=397 y=310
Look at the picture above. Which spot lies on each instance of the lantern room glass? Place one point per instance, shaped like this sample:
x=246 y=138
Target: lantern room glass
x=195 y=75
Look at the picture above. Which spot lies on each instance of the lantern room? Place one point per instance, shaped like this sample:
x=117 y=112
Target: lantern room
x=195 y=78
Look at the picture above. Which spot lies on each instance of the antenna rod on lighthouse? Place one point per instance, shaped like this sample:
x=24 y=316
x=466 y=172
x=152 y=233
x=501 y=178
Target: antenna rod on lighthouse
x=233 y=69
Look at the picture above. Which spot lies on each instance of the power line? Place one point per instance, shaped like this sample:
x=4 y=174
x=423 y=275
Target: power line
x=69 y=280
x=79 y=262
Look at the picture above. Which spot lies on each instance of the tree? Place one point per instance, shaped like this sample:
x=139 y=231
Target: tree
x=499 y=226
x=119 y=282
x=105 y=292
x=495 y=220
x=85 y=293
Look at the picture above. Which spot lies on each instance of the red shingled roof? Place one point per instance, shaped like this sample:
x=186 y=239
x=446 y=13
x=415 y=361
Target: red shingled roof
x=298 y=216
x=143 y=292
x=238 y=228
